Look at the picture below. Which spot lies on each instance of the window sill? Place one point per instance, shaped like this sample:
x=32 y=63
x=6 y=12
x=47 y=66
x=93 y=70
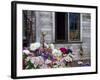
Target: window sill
x=79 y=42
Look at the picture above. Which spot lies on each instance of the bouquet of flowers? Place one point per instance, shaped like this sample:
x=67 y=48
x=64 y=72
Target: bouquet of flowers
x=37 y=57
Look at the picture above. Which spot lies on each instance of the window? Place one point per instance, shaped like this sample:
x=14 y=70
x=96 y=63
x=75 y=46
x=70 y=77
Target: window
x=67 y=27
x=60 y=29
x=74 y=27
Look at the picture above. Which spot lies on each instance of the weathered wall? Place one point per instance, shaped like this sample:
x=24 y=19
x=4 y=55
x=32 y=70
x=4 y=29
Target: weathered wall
x=45 y=22
x=86 y=35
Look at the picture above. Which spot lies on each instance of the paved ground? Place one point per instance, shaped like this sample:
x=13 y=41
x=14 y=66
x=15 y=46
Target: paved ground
x=75 y=63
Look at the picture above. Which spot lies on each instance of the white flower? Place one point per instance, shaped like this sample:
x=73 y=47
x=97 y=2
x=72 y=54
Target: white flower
x=48 y=61
x=56 y=52
x=34 y=46
x=71 y=55
x=80 y=62
x=52 y=46
x=26 y=52
x=68 y=59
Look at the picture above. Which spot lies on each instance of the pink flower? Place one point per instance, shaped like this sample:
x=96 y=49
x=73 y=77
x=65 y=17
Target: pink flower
x=64 y=50
x=27 y=52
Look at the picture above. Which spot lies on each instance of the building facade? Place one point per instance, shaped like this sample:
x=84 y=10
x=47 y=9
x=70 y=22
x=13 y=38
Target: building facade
x=69 y=30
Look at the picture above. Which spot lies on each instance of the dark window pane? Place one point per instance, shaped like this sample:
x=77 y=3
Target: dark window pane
x=74 y=26
x=60 y=26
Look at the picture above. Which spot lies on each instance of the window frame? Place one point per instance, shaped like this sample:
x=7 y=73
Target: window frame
x=61 y=41
x=66 y=38
x=80 y=29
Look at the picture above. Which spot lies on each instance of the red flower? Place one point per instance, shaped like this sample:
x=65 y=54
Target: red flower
x=64 y=50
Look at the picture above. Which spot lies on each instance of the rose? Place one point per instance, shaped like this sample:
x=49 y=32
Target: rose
x=64 y=50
